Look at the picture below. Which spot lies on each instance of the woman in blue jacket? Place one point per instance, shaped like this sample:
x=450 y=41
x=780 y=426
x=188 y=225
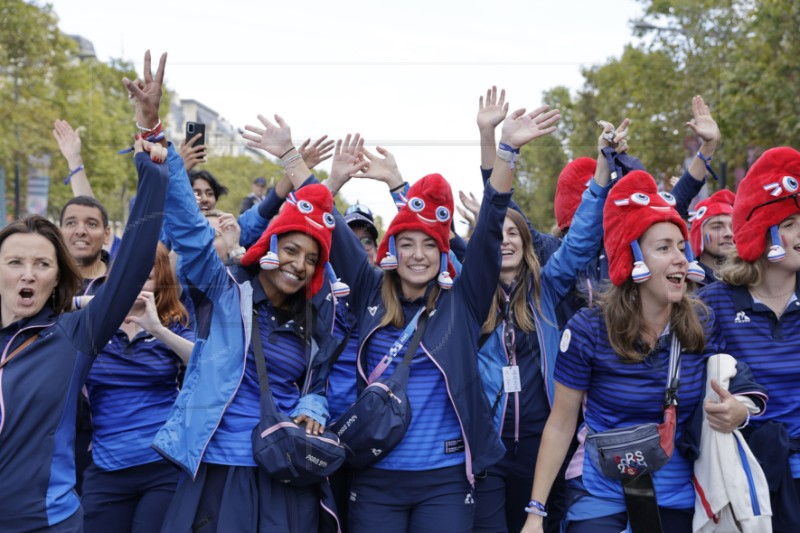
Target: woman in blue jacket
x=47 y=352
x=757 y=310
x=208 y=431
x=614 y=364
x=426 y=482
x=520 y=338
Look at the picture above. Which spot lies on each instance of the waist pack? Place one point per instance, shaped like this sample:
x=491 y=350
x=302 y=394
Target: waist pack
x=645 y=448
x=282 y=448
x=376 y=423
x=635 y=450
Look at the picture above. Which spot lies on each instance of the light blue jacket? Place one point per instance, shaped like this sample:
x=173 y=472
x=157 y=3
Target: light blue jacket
x=557 y=278
x=223 y=314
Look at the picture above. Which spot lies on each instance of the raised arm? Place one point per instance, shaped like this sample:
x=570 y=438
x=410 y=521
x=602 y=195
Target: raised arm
x=69 y=142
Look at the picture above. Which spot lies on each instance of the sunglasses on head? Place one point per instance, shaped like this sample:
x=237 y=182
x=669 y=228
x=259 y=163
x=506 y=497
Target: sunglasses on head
x=360 y=209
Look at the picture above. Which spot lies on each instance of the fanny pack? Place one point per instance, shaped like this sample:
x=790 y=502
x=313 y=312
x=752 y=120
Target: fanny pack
x=376 y=423
x=282 y=448
x=645 y=448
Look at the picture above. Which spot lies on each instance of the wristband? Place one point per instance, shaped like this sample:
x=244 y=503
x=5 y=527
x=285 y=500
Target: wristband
x=237 y=253
x=285 y=163
x=398 y=188
x=72 y=173
x=155 y=130
x=286 y=152
x=537 y=508
x=707 y=161
x=507 y=153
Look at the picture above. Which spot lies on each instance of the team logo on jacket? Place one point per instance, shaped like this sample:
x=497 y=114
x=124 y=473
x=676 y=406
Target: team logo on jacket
x=372 y=309
x=469 y=500
x=566 y=337
x=376 y=452
x=741 y=318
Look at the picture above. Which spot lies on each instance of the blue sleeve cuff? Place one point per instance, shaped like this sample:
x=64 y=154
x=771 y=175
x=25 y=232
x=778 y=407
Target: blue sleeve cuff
x=598 y=190
x=313 y=406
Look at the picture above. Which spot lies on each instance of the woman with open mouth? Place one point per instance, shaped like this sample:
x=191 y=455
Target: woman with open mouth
x=757 y=311
x=629 y=364
x=47 y=351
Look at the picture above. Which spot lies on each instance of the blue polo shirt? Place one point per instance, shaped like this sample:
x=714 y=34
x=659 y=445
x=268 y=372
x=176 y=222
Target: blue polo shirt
x=285 y=355
x=770 y=346
x=621 y=394
x=132 y=386
x=434 y=438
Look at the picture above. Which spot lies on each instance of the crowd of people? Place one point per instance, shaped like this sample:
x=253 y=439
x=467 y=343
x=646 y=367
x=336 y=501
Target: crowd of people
x=635 y=372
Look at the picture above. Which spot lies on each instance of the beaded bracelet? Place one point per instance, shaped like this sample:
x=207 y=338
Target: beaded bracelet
x=72 y=173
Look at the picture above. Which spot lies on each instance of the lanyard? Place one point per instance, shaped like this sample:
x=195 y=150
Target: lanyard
x=395 y=348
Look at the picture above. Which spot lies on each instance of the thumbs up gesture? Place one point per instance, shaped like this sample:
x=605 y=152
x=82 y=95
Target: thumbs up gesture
x=727 y=414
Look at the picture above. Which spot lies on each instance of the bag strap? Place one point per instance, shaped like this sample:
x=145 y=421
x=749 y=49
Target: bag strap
x=387 y=359
x=674 y=375
x=267 y=401
x=19 y=349
x=414 y=344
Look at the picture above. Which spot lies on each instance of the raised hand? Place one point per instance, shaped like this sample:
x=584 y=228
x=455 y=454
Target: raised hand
x=192 y=153
x=703 y=124
x=520 y=128
x=382 y=168
x=618 y=138
x=470 y=203
x=69 y=142
x=492 y=110
x=146 y=93
x=347 y=161
x=273 y=138
x=314 y=154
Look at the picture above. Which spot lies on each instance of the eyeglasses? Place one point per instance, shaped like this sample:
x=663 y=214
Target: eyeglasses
x=360 y=209
x=776 y=200
x=367 y=243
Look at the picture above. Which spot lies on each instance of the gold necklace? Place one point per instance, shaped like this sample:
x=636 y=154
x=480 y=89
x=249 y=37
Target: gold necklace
x=768 y=297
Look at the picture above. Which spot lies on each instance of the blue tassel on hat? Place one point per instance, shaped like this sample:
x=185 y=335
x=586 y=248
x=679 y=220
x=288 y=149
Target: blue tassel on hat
x=270 y=260
x=776 y=251
x=696 y=272
x=389 y=262
x=338 y=287
x=444 y=279
x=640 y=272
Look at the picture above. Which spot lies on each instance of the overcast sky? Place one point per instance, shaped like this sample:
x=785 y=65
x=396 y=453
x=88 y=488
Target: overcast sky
x=405 y=75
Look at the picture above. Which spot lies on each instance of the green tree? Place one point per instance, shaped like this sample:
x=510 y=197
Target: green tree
x=539 y=165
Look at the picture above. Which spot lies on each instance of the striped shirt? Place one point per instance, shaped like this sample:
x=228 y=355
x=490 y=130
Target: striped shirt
x=434 y=438
x=620 y=394
x=285 y=355
x=752 y=333
x=132 y=386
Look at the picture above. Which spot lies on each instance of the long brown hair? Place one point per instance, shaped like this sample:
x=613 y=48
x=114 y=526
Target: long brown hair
x=69 y=278
x=737 y=271
x=527 y=279
x=622 y=310
x=169 y=307
x=390 y=293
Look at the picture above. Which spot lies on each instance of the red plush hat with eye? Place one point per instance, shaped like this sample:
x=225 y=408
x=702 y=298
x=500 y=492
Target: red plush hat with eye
x=719 y=203
x=307 y=210
x=766 y=196
x=633 y=205
x=428 y=208
x=572 y=181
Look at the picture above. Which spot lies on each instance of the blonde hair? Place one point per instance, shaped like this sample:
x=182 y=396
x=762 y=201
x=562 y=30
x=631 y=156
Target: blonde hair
x=528 y=278
x=390 y=294
x=737 y=271
x=622 y=311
